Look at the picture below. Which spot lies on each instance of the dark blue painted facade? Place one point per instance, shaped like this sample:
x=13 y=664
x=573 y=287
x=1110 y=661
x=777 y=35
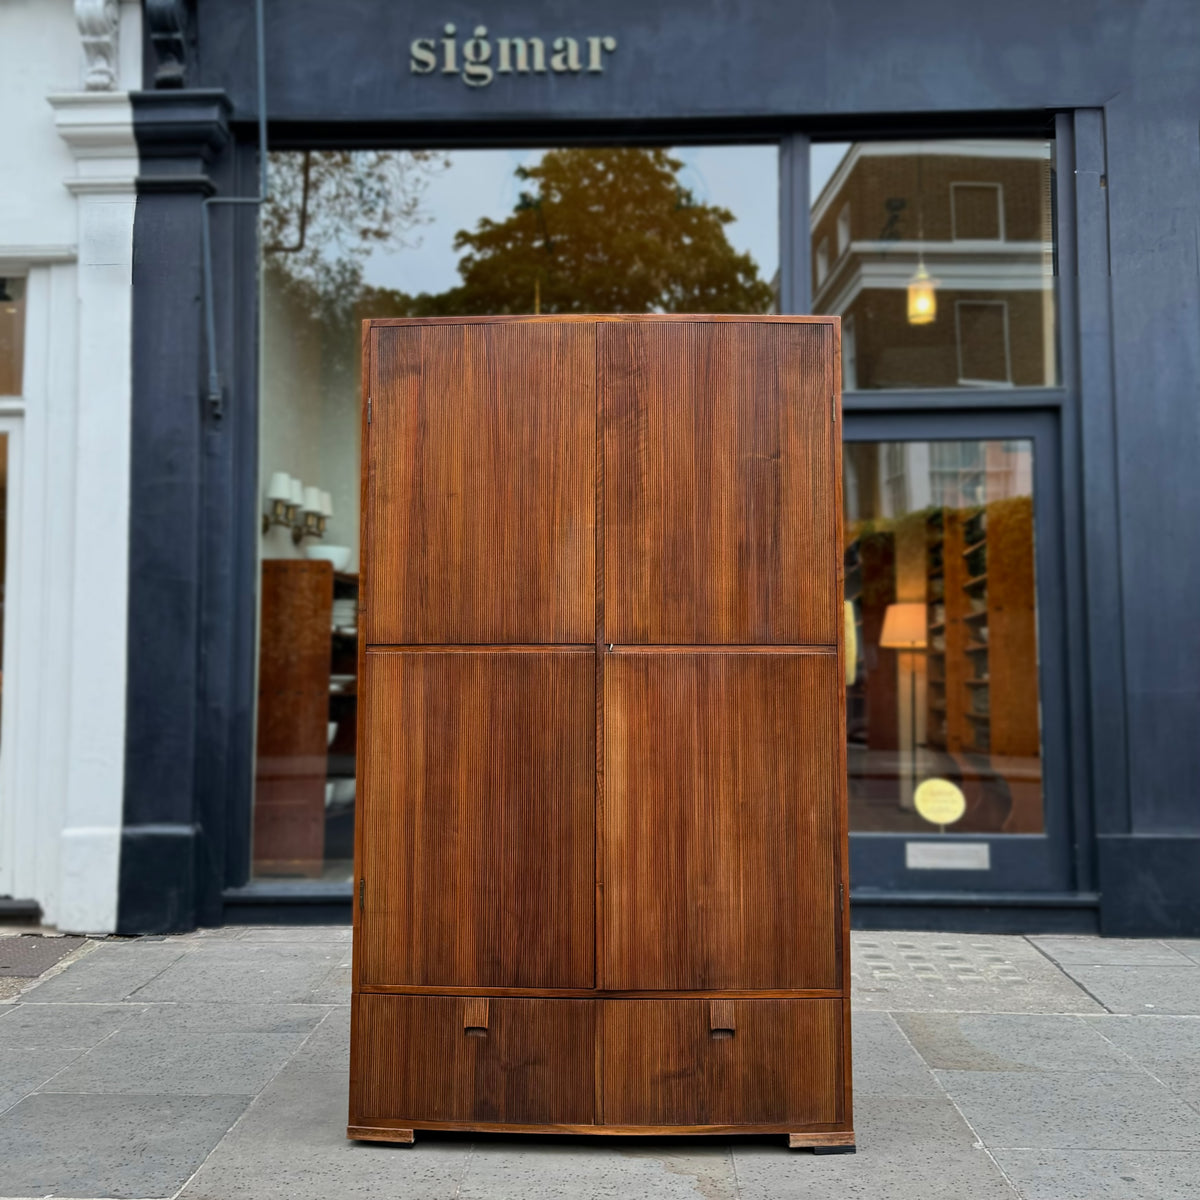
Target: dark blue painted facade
x=1117 y=80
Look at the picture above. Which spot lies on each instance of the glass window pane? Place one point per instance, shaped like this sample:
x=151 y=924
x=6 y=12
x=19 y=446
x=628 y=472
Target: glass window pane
x=944 y=682
x=12 y=335
x=355 y=234
x=945 y=260
x=3 y=547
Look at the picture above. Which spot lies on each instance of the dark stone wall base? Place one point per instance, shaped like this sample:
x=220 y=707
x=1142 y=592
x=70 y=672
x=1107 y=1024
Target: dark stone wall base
x=158 y=884
x=975 y=913
x=1149 y=885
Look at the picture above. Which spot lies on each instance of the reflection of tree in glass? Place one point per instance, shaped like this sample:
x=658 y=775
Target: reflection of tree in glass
x=328 y=209
x=600 y=230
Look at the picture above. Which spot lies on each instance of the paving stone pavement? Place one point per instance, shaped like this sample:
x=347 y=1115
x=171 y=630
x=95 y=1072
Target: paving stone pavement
x=213 y=1066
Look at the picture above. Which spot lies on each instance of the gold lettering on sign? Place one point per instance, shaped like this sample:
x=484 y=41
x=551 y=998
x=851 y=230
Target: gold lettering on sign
x=520 y=48
x=480 y=59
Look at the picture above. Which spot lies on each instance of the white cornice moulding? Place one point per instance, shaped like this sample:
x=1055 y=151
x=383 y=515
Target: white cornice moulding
x=869 y=273
x=14 y=259
x=101 y=185
x=96 y=124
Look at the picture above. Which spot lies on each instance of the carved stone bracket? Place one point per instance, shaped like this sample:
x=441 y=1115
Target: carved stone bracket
x=98 y=22
x=167 y=21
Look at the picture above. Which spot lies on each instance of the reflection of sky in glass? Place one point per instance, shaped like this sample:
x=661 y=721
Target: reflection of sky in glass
x=483 y=183
x=823 y=161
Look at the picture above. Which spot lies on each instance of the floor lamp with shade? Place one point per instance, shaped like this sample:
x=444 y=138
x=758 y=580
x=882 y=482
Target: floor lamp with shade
x=904 y=629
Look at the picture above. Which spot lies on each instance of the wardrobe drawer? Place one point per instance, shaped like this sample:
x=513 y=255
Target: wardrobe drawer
x=472 y=1059
x=722 y=1062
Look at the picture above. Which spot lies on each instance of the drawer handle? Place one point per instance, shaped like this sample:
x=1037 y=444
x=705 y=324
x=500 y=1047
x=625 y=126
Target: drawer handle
x=721 y=1023
x=475 y=1016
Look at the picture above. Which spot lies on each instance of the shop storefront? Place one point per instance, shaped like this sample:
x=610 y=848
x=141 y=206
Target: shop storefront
x=996 y=205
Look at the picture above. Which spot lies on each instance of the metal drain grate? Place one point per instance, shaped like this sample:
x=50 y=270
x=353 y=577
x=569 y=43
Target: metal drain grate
x=27 y=956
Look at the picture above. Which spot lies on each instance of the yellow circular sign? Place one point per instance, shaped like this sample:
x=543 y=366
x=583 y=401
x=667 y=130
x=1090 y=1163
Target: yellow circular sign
x=939 y=801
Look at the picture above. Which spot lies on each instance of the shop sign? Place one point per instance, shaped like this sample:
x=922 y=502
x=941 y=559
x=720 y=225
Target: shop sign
x=477 y=60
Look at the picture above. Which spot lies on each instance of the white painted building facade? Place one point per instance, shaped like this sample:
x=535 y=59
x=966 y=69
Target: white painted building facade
x=66 y=232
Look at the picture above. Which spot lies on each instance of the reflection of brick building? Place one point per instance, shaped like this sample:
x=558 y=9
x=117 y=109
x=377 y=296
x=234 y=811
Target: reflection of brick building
x=980 y=215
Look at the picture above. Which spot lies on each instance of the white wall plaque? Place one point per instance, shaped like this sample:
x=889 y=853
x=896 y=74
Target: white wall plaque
x=947 y=856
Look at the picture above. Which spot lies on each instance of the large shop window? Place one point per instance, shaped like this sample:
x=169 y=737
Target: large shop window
x=945 y=260
x=942 y=697
x=355 y=234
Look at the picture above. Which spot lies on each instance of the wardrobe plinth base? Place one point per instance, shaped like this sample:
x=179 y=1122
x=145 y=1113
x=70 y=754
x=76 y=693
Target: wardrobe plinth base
x=373 y=1133
x=818 y=1141
x=823 y=1143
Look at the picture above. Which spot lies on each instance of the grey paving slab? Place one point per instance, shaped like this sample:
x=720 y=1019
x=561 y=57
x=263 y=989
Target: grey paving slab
x=1108 y=952
x=291 y=1144
x=936 y=972
x=217 y=933
x=1143 y=989
x=333 y=989
x=1077 y=1110
x=62 y=1026
x=885 y=1064
x=296 y=933
x=24 y=1070
x=1168 y=1047
x=1189 y=947
x=577 y=1169
x=916 y=1150
x=1102 y=1174
x=111 y=972
x=1010 y=1042
x=193 y=1050
x=243 y=973
x=118 y=1146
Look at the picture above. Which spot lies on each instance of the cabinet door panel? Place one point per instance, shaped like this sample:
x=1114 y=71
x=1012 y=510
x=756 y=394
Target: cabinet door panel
x=426 y=1058
x=477 y=814
x=721 y=788
x=719 y=460
x=771 y=1062
x=481 y=484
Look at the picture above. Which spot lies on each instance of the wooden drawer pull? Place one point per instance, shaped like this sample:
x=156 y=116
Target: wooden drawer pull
x=721 y=1023
x=475 y=1016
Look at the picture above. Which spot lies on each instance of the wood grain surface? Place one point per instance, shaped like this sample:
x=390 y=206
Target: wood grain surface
x=719 y=512
x=664 y=1066
x=721 y=861
x=478 y=819
x=481 y=484
x=293 y=717
x=601 y=827
x=413 y=1058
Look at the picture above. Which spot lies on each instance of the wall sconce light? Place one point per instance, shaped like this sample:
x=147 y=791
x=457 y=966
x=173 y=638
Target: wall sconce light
x=314 y=513
x=922 y=297
x=280 y=509
x=291 y=505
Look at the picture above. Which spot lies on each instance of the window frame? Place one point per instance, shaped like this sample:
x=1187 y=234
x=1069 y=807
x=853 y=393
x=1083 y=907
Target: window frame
x=963 y=380
x=998 y=188
x=1077 y=145
x=843 y=227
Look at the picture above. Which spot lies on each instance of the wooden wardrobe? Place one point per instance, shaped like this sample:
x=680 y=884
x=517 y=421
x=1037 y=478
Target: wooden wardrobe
x=601 y=834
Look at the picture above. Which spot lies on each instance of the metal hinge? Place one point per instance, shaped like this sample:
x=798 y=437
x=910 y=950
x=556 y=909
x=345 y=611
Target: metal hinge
x=368 y=410
x=362 y=893
x=841 y=897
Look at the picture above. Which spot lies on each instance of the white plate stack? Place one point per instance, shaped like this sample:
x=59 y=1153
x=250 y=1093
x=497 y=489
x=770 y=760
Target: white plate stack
x=345 y=615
